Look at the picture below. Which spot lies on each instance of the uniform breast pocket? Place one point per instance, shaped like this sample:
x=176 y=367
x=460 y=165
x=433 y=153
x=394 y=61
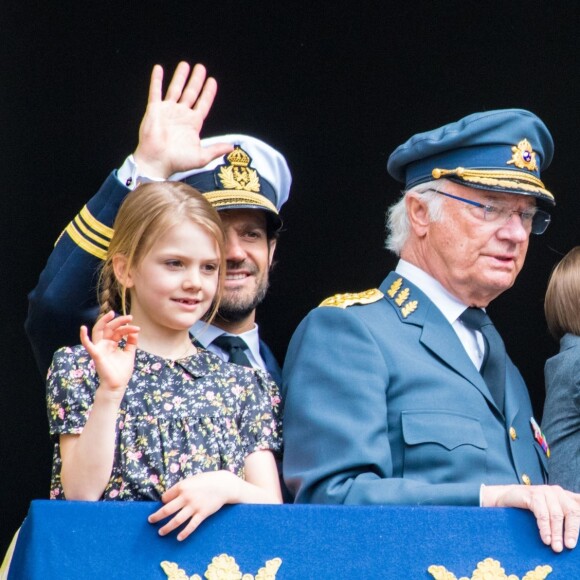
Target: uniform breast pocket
x=443 y=447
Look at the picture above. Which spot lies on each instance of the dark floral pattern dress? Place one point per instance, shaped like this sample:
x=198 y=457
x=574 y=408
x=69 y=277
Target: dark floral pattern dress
x=177 y=418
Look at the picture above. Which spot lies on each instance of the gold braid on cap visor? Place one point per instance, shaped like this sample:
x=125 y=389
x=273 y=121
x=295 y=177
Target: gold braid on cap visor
x=505 y=179
x=225 y=197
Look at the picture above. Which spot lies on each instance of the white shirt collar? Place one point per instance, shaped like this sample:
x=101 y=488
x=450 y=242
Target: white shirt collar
x=450 y=306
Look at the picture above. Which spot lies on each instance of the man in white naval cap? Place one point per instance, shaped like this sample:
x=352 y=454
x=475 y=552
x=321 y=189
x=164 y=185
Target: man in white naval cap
x=244 y=178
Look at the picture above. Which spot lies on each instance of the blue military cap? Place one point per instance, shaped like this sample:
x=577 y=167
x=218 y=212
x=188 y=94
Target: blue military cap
x=253 y=176
x=502 y=150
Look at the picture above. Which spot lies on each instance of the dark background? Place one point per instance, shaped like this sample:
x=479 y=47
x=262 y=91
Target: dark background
x=335 y=86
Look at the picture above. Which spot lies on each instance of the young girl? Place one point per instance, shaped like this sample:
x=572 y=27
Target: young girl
x=561 y=419
x=139 y=412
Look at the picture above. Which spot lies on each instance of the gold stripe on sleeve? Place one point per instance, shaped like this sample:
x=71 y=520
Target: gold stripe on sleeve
x=85 y=244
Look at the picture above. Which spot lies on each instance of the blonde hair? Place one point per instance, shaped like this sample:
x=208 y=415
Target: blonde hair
x=562 y=302
x=145 y=215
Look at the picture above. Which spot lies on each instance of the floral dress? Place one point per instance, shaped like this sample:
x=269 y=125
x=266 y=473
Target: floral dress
x=177 y=418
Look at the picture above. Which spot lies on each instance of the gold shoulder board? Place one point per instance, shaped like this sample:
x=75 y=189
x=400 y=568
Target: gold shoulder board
x=350 y=298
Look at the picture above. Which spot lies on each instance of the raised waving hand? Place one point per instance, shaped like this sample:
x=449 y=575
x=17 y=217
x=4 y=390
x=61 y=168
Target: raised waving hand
x=113 y=363
x=87 y=458
x=169 y=136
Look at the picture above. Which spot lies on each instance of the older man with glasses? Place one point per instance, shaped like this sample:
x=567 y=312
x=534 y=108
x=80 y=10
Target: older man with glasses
x=405 y=394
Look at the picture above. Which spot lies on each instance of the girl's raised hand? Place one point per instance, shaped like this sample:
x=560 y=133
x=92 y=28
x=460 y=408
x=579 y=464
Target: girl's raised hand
x=113 y=364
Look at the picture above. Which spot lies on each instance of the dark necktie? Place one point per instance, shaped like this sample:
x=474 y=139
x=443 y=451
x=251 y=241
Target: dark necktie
x=234 y=346
x=493 y=367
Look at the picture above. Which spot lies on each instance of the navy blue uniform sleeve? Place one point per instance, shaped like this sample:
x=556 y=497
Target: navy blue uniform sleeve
x=66 y=294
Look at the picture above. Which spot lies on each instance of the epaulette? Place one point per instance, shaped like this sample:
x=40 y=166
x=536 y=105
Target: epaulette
x=351 y=298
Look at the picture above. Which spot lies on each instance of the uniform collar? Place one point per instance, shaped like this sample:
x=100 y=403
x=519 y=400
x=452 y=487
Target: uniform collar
x=449 y=306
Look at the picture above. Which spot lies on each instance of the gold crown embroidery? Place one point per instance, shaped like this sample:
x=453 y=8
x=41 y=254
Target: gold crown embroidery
x=223 y=567
x=489 y=569
x=351 y=298
x=394 y=288
x=236 y=174
x=523 y=156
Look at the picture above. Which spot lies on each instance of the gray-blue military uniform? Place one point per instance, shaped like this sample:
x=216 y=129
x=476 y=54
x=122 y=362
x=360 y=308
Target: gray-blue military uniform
x=383 y=405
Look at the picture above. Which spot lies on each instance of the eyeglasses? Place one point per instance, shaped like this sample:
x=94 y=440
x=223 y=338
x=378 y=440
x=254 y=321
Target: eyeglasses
x=535 y=220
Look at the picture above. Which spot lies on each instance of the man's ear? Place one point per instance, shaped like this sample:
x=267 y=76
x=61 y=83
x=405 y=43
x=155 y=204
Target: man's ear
x=418 y=214
x=271 y=250
x=122 y=273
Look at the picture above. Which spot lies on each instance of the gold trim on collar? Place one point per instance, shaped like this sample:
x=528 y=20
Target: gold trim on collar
x=394 y=288
x=409 y=308
x=401 y=298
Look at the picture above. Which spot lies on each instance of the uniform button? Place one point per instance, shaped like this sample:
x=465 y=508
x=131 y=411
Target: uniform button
x=513 y=434
x=526 y=479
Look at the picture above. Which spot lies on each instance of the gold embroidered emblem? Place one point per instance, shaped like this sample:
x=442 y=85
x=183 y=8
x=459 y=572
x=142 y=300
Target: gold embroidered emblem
x=223 y=567
x=523 y=156
x=350 y=298
x=402 y=296
x=395 y=287
x=236 y=174
x=409 y=308
x=489 y=569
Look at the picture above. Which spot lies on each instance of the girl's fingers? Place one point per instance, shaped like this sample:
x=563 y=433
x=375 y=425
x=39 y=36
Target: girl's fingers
x=194 y=522
x=131 y=342
x=119 y=321
x=84 y=334
x=177 y=520
x=118 y=333
x=165 y=511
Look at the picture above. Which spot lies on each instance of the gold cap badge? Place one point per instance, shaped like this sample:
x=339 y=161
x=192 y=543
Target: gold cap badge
x=523 y=156
x=236 y=174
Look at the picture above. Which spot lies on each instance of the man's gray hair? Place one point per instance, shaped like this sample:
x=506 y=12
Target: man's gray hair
x=398 y=225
